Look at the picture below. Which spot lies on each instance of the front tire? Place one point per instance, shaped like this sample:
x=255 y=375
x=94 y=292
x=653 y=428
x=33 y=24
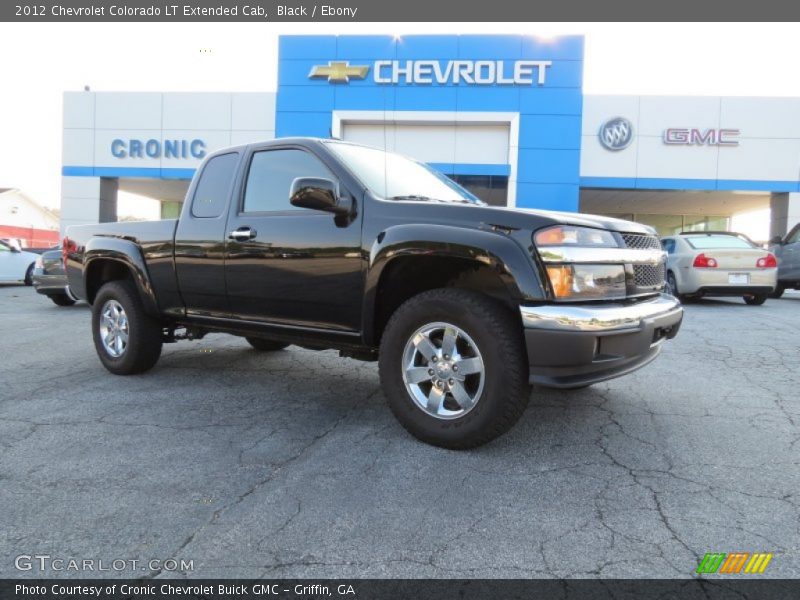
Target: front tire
x=778 y=292
x=61 y=299
x=263 y=345
x=757 y=300
x=127 y=340
x=453 y=367
x=29 y=275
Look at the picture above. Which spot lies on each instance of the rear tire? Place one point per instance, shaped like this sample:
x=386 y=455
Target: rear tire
x=263 y=345
x=489 y=347
x=61 y=299
x=118 y=309
x=755 y=300
x=778 y=292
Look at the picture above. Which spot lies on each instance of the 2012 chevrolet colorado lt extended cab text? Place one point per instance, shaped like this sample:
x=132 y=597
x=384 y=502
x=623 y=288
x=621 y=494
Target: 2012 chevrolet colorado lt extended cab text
x=331 y=245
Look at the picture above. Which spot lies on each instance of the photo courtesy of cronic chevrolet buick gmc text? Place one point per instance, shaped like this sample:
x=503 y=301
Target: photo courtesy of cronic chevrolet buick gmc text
x=326 y=244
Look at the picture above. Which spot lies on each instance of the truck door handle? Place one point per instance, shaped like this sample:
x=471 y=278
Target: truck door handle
x=242 y=234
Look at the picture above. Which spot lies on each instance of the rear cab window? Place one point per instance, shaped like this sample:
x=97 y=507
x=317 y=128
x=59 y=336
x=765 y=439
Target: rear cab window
x=213 y=188
x=711 y=242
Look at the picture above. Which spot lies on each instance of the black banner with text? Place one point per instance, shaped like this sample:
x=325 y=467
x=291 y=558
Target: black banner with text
x=413 y=589
x=392 y=11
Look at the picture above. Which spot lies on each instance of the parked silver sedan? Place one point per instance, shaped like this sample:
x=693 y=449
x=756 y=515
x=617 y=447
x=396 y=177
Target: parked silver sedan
x=714 y=263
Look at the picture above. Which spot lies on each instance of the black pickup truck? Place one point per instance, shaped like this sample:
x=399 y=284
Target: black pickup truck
x=331 y=245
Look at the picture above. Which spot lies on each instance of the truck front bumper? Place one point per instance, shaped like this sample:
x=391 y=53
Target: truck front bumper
x=573 y=345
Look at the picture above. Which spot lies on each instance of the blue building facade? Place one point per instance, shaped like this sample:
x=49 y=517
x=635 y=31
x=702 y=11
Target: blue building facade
x=533 y=85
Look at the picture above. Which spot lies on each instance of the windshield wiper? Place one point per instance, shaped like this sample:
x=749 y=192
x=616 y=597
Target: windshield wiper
x=411 y=197
x=429 y=199
x=465 y=201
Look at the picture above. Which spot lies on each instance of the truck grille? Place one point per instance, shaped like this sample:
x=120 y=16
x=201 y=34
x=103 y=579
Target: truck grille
x=649 y=276
x=641 y=241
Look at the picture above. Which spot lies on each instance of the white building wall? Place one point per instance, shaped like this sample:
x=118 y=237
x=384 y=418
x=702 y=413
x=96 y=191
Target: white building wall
x=768 y=148
x=80 y=201
x=93 y=120
x=436 y=143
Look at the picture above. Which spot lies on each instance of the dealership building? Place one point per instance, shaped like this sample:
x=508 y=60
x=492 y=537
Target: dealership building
x=505 y=116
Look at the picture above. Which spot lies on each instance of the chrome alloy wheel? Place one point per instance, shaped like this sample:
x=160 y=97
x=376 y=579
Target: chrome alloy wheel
x=114 y=328
x=443 y=370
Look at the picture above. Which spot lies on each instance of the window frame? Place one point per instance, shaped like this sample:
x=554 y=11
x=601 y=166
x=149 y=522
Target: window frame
x=231 y=184
x=290 y=210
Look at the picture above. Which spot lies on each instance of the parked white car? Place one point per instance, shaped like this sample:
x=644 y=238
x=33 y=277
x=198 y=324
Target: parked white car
x=712 y=263
x=16 y=264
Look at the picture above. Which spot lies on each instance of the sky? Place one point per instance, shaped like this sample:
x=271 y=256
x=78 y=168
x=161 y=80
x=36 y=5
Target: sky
x=42 y=60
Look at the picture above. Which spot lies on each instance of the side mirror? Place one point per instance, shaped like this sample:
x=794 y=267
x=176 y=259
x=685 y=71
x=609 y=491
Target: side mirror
x=776 y=240
x=14 y=248
x=317 y=194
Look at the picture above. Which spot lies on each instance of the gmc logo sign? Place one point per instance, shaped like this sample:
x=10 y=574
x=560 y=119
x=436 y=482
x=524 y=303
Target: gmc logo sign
x=677 y=136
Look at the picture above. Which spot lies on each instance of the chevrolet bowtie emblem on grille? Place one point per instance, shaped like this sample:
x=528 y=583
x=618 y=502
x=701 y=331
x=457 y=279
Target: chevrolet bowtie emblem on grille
x=339 y=71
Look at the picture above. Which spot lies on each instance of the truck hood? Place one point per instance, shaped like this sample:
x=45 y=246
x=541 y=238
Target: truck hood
x=530 y=219
x=580 y=219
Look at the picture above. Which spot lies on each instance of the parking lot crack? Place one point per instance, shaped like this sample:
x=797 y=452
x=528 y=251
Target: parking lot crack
x=278 y=468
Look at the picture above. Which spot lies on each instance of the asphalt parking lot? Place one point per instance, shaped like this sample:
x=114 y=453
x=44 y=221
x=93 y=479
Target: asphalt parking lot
x=290 y=464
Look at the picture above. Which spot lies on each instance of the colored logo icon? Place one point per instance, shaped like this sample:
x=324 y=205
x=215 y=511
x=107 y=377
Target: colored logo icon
x=734 y=562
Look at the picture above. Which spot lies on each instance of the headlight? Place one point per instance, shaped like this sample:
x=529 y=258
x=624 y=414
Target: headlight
x=587 y=282
x=39 y=263
x=569 y=235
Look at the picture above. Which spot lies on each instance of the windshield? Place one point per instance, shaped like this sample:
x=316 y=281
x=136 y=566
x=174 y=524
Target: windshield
x=397 y=177
x=709 y=242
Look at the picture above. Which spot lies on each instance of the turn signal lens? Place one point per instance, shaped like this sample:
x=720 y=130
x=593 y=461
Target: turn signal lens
x=767 y=261
x=703 y=261
x=569 y=235
x=561 y=280
x=587 y=282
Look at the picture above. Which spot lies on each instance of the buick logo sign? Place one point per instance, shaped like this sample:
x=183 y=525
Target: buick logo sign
x=616 y=134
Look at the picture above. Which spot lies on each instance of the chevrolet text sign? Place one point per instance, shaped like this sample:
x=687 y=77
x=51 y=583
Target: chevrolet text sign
x=429 y=72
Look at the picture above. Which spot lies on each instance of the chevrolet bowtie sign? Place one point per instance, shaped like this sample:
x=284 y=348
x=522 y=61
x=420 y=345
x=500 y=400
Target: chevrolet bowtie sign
x=429 y=72
x=339 y=72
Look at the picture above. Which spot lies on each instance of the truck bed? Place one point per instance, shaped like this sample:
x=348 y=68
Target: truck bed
x=156 y=240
